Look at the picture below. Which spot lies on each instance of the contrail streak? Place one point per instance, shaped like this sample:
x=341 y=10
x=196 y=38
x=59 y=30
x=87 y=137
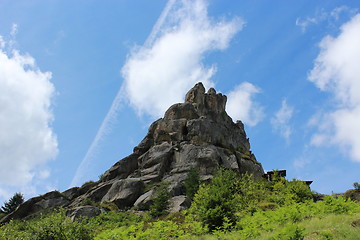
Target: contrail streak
x=105 y=127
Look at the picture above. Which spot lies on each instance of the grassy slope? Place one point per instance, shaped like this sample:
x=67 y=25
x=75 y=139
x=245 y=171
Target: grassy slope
x=248 y=209
x=329 y=227
x=127 y=226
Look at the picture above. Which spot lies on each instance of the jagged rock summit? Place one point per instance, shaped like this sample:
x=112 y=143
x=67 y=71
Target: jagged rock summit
x=195 y=134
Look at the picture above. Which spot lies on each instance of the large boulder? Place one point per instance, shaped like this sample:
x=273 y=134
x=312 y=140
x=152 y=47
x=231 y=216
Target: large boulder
x=124 y=192
x=81 y=212
x=179 y=203
x=145 y=200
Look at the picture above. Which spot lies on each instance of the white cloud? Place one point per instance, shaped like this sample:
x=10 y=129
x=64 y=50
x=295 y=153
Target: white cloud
x=280 y=122
x=27 y=141
x=322 y=16
x=337 y=70
x=159 y=73
x=240 y=104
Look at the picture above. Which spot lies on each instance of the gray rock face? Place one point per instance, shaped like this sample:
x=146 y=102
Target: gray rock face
x=145 y=200
x=124 y=192
x=179 y=203
x=195 y=134
x=83 y=212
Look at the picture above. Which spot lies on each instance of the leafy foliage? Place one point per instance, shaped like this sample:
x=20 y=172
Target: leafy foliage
x=192 y=183
x=215 y=204
x=50 y=226
x=229 y=197
x=161 y=201
x=13 y=203
x=228 y=207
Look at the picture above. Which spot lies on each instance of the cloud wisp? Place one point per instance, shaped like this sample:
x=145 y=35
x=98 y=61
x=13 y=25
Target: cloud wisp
x=84 y=168
x=27 y=141
x=337 y=71
x=324 y=16
x=159 y=73
x=280 y=122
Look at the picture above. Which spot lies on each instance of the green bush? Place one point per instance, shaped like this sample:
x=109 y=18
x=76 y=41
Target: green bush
x=298 y=191
x=290 y=232
x=192 y=183
x=161 y=201
x=50 y=226
x=215 y=203
x=111 y=220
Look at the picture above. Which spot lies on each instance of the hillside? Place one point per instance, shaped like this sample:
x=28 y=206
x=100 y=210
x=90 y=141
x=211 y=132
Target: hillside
x=225 y=208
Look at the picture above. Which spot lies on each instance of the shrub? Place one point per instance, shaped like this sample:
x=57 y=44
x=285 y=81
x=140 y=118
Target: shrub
x=161 y=201
x=112 y=220
x=13 y=203
x=50 y=226
x=298 y=191
x=290 y=232
x=192 y=183
x=288 y=192
x=215 y=204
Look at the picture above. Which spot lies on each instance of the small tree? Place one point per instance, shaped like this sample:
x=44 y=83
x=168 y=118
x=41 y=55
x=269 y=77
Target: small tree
x=192 y=183
x=356 y=186
x=161 y=201
x=13 y=203
x=215 y=204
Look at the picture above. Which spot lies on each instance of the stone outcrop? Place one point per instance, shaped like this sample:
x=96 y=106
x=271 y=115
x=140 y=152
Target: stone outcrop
x=81 y=212
x=195 y=134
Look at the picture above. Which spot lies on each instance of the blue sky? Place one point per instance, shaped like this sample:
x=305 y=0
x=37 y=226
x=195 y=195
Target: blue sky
x=80 y=82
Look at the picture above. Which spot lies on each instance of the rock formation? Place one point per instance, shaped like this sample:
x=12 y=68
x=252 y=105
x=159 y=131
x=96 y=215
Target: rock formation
x=195 y=134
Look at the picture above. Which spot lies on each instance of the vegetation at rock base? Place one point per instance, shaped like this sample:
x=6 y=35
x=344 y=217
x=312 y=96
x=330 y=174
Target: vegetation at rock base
x=161 y=201
x=192 y=183
x=228 y=207
x=12 y=204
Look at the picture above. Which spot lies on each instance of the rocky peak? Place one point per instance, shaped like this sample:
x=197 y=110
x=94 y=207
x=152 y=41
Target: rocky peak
x=208 y=102
x=198 y=126
x=195 y=134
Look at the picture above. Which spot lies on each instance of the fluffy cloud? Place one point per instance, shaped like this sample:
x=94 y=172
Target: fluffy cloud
x=159 y=73
x=280 y=122
x=27 y=141
x=240 y=104
x=337 y=70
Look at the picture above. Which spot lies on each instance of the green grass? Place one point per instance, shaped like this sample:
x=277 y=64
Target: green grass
x=331 y=227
